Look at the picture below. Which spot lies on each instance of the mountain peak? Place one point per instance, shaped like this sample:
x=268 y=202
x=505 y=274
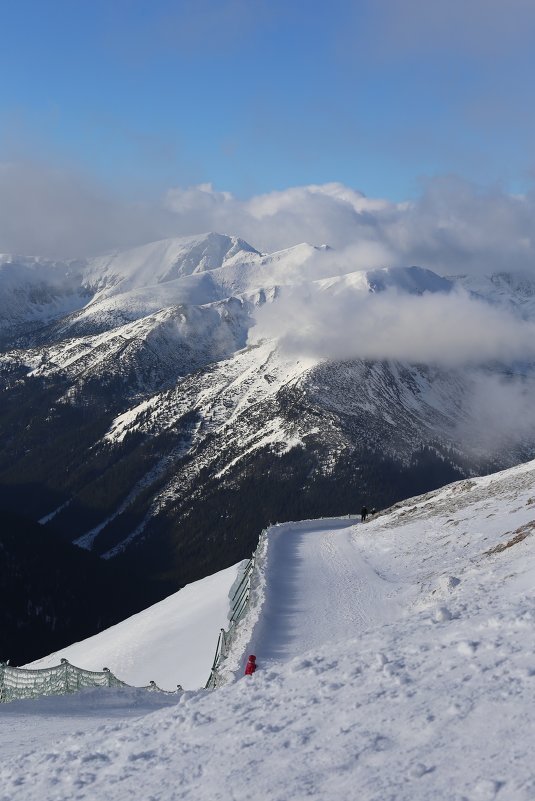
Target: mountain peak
x=165 y=260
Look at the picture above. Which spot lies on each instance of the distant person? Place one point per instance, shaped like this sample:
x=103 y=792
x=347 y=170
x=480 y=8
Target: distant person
x=250 y=667
x=363 y=514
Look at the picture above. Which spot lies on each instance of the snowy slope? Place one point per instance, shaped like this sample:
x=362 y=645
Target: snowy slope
x=164 y=261
x=413 y=680
x=146 y=279
x=321 y=579
x=172 y=642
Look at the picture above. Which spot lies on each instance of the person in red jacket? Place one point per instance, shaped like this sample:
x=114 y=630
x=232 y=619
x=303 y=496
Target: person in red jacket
x=250 y=667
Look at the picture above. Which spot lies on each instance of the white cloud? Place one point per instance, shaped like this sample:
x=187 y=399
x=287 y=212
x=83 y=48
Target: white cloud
x=330 y=214
x=474 y=342
x=450 y=330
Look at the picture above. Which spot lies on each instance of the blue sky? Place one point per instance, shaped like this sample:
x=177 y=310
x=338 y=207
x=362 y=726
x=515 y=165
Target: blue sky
x=256 y=96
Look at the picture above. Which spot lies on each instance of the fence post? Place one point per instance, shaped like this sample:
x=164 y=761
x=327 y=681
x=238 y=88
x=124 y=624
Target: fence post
x=65 y=664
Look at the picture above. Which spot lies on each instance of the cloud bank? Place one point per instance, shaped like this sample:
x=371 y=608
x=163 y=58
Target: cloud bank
x=453 y=227
x=486 y=351
x=451 y=330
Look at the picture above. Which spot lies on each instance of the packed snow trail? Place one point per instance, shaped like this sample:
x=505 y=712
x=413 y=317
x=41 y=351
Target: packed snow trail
x=318 y=589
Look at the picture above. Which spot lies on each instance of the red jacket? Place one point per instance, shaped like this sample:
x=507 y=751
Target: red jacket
x=250 y=667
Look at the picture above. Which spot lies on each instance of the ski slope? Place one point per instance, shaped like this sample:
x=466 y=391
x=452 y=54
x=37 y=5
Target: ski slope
x=171 y=642
x=395 y=663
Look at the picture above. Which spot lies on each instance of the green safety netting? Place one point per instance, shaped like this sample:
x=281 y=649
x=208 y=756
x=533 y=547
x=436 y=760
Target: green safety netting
x=18 y=683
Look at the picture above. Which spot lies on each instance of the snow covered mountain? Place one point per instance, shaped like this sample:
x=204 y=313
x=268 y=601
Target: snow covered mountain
x=42 y=290
x=145 y=419
x=395 y=661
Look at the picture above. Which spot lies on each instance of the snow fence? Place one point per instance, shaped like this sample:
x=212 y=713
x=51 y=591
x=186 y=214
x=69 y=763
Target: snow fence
x=63 y=679
x=239 y=604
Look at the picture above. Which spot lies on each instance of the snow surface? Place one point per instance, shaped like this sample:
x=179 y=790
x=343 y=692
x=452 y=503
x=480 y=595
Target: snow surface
x=29 y=725
x=172 y=642
x=396 y=663
x=325 y=558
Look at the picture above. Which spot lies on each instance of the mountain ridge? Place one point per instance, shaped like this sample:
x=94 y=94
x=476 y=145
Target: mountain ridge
x=156 y=427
